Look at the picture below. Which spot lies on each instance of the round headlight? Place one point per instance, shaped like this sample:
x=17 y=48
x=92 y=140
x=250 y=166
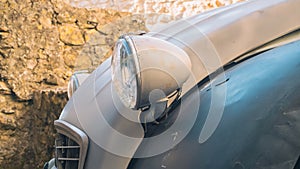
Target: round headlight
x=141 y=64
x=76 y=80
x=124 y=76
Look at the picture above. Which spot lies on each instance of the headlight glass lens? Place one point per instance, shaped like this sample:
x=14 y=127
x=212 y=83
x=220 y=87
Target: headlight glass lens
x=124 y=73
x=76 y=80
x=72 y=85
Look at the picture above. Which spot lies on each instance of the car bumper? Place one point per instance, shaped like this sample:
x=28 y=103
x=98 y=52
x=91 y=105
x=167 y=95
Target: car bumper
x=50 y=164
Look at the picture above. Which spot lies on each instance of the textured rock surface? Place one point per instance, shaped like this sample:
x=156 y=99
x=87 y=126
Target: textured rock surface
x=41 y=43
x=156 y=12
x=27 y=138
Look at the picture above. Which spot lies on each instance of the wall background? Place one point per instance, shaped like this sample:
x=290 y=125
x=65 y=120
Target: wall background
x=156 y=12
x=42 y=42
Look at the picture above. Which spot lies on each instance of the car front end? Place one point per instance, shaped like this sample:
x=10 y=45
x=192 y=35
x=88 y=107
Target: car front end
x=108 y=120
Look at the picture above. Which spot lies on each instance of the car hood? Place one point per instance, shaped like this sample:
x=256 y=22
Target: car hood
x=215 y=38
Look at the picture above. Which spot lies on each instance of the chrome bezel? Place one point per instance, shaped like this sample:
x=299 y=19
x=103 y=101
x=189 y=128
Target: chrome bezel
x=77 y=135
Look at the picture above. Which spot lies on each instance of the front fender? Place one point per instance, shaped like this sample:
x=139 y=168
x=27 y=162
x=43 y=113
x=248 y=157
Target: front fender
x=93 y=108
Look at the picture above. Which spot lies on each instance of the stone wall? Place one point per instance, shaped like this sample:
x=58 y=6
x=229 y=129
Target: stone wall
x=41 y=43
x=156 y=12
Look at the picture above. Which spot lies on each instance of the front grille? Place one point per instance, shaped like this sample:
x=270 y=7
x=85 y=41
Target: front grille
x=71 y=146
x=67 y=152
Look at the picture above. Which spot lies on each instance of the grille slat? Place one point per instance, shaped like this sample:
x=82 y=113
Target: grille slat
x=68 y=159
x=62 y=147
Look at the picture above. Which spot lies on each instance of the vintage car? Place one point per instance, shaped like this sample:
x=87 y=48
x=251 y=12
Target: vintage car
x=219 y=90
